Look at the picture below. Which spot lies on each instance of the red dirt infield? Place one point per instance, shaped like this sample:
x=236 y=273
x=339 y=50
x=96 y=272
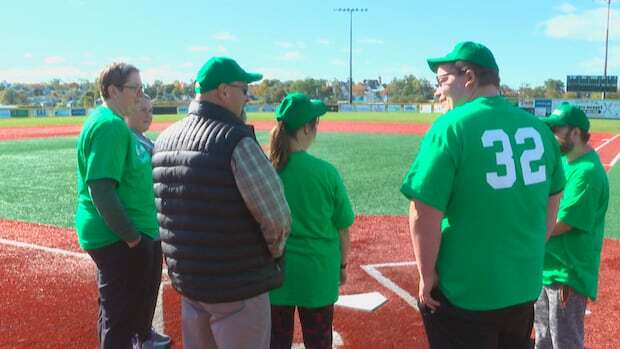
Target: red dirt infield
x=15 y=133
x=49 y=297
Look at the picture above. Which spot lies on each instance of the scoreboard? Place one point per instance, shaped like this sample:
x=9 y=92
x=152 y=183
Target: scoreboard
x=591 y=83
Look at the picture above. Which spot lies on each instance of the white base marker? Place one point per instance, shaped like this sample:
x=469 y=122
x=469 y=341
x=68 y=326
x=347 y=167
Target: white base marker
x=336 y=342
x=363 y=301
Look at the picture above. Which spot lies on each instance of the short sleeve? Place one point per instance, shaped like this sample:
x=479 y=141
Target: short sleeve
x=431 y=176
x=578 y=204
x=107 y=152
x=343 y=213
x=558 y=180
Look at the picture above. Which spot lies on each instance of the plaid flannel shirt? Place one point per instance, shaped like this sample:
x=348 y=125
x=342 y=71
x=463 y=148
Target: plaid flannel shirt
x=261 y=189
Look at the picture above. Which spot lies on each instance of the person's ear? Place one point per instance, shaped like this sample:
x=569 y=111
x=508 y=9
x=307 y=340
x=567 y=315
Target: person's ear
x=222 y=92
x=112 y=91
x=470 y=78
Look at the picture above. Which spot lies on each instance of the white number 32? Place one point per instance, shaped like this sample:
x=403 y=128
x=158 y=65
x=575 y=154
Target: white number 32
x=505 y=158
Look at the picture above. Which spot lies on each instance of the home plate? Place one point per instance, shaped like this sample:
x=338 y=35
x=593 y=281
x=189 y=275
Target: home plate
x=336 y=342
x=363 y=301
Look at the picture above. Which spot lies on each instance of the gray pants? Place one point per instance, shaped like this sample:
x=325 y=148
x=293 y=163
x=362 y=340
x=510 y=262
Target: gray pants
x=559 y=326
x=235 y=325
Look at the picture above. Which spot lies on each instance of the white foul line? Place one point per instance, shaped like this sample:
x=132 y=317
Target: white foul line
x=614 y=161
x=372 y=270
x=607 y=141
x=44 y=249
x=158 y=319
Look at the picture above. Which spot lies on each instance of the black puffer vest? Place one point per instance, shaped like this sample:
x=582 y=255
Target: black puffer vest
x=214 y=247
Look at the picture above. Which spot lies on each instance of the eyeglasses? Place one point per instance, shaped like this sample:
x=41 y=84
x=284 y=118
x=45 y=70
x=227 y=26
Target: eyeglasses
x=243 y=89
x=441 y=79
x=138 y=88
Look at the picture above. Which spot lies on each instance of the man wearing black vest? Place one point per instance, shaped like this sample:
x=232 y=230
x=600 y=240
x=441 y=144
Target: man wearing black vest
x=222 y=213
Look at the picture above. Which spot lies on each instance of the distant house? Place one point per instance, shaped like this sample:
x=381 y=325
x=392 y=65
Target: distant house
x=372 y=90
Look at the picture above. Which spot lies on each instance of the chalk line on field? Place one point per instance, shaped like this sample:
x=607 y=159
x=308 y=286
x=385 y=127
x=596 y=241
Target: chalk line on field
x=373 y=270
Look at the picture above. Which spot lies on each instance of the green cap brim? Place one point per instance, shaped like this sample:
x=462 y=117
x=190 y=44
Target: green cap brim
x=319 y=108
x=554 y=121
x=253 y=77
x=434 y=63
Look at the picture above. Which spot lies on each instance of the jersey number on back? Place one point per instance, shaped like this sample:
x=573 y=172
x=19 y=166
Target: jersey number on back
x=505 y=157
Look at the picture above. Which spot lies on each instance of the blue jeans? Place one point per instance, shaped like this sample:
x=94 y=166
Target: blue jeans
x=559 y=325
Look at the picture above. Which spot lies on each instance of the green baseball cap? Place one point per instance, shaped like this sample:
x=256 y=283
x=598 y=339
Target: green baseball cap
x=296 y=110
x=468 y=51
x=568 y=115
x=221 y=70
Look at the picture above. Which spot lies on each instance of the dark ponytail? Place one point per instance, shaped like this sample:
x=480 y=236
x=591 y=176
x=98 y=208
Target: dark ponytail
x=280 y=143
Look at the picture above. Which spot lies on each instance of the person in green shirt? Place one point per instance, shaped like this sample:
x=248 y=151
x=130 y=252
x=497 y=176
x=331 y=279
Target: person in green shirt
x=484 y=191
x=115 y=217
x=315 y=257
x=573 y=252
x=139 y=122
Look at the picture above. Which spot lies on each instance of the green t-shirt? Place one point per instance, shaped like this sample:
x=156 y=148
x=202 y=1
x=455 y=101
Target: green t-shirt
x=106 y=148
x=574 y=258
x=490 y=168
x=319 y=206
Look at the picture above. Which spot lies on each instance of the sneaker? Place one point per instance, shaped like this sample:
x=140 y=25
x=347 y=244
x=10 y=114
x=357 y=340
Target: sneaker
x=156 y=340
x=136 y=343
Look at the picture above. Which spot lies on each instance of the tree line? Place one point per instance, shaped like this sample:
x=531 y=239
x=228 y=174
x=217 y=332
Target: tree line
x=408 y=89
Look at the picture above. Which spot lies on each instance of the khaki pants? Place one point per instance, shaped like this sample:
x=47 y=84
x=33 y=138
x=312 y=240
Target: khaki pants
x=235 y=325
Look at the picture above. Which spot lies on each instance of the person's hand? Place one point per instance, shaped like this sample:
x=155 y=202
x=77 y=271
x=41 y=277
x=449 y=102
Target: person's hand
x=427 y=284
x=565 y=293
x=134 y=243
x=343 y=276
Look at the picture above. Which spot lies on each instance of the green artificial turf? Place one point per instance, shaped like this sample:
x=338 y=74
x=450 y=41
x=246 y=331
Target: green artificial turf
x=39 y=186
x=612 y=223
x=372 y=167
x=39 y=175
x=38 y=180
x=369 y=117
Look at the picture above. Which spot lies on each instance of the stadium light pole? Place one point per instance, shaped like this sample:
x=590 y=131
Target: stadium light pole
x=350 y=11
x=606 y=46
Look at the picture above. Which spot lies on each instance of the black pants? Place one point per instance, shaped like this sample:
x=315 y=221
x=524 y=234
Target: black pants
x=128 y=281
x=316 y=326
x=153 y=281
x=453 y=327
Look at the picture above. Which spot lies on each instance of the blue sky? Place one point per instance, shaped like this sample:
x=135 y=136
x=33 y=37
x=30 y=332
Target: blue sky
x=72 y=39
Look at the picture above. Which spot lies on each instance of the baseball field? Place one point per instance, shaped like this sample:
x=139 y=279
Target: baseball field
x=48 y=294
